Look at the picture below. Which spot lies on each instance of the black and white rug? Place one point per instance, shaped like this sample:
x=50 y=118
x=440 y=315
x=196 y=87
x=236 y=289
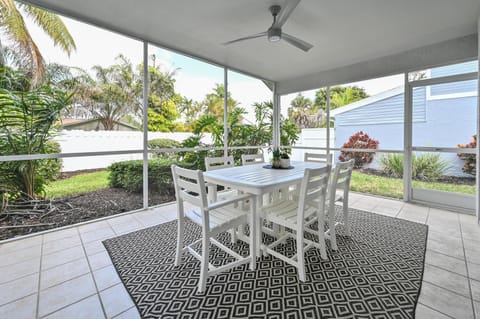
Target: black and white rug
x=376 y=273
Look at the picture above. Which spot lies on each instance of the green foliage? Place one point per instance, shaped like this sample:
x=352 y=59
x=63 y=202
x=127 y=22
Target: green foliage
x=357 y=141
x=470 y=160
x=426 y=167
x=129 y=175
x=339 y=96
x=196 y=158
x=160 y=143
x=78 y=184
x=26 y=120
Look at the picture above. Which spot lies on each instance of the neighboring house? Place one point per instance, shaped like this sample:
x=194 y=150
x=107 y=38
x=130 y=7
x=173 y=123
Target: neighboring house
x=93 y=125
x=444 y=115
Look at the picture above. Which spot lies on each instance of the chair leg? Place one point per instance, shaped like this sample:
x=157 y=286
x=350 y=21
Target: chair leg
x=233 y=235
x=202 y=284
x=179 y=252
x=300 y=256
x=346 y=221
x=321 y=234
x=331 y=226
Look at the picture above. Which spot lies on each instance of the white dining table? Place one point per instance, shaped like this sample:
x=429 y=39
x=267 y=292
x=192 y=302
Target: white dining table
x=258 y=180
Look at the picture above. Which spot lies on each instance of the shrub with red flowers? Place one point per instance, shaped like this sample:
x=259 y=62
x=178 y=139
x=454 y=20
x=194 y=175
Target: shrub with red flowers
x=470 y=160
x=359 y=140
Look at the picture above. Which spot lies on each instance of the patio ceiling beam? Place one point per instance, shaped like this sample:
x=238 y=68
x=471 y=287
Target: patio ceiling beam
x=447 y=52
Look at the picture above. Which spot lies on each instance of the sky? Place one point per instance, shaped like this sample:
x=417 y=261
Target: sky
x=194 y=79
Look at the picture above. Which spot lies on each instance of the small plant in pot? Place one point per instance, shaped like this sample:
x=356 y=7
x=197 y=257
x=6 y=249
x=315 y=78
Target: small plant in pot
x=276 y=158
x=284 y=160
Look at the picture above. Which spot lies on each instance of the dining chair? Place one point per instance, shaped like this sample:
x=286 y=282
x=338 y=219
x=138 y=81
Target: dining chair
x=214 y=163
x=293 y=214
x=315 y=157
x=338 y=190
x=213 y=218
x=249 y=159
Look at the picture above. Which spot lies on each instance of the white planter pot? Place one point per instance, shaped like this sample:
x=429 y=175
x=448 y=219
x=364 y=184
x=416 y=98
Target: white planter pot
x=284 y=162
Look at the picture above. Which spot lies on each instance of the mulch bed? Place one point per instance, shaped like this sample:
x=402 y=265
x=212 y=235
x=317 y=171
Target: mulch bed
x=78 y=208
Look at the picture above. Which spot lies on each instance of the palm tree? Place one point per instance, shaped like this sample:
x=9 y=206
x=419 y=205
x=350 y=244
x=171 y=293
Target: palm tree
x=24 y=51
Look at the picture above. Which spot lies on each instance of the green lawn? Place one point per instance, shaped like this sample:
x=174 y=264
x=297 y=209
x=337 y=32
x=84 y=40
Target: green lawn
x=393 y=187
x=78 y=184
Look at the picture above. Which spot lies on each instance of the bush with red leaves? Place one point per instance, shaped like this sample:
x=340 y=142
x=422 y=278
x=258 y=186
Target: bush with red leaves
x=359 y=140
x=470 y=164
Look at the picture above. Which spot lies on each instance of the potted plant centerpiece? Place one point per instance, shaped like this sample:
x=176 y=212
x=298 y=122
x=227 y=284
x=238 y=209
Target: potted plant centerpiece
x=284 y=160
x=276 y=158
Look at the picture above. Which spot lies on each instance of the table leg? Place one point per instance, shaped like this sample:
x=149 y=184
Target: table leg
x=254 y=248
x=259 y=223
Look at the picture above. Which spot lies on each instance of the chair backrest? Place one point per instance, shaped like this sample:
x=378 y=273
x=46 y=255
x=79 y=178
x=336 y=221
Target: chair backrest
x=189 y=186
x=249 y=159
x=341 y=178
x=314 y=157
x=213 y=163
x=313 y=189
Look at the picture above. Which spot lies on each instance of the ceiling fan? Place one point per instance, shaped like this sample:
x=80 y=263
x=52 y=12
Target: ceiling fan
x=274 y=33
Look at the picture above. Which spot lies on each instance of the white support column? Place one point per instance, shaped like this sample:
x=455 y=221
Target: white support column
x=145 y=124
x=407 y=141
x=477 y=202
x=225 y=112
x=328 y=122
x=276 y=118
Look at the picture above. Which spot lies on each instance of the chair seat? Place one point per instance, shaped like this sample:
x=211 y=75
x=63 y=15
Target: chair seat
x=284 y=212
x=219 y=217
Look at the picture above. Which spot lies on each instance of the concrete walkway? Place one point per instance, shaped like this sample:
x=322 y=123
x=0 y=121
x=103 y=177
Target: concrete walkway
x=68 y=274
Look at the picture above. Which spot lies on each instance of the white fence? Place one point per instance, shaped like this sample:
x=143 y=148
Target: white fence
x=103 y=141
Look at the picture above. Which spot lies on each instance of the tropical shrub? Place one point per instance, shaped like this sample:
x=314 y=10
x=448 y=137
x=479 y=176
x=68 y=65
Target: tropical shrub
x=359 y=140
x=427 y=166
x=470 y=160
x=26 y=127
x=129 y=175
x=160 y=143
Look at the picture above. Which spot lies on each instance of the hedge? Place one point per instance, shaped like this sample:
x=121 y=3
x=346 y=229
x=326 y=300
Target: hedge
x=129 y=175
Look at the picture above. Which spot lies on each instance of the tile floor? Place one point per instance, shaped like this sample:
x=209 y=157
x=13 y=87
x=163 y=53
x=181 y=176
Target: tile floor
x=68 y=274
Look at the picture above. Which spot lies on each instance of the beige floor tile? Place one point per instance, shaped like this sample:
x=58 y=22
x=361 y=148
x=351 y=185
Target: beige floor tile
x=424 y=312
x=446 y=279
x=65 y=294
x=412 y=215
x=98 y=234
x=65 y=272
x=106 y=277
x=19 y=256
x=389 y=208
x=446 y=247
x=475 y=285
x=88 y=308
x=446 y=302
x=116 y=300
x=62 y=257
x=474 y=271
x=20 y=244
x=413 y=208
x=18 y=270
x=25 y=308
x=446 y=262
x=472 y=256
x=54 y=236
x=93 y=226
x=61 y=244
x=131 y=313
x=94 y=247
x=99 y=260
x=365 y=204
x=127 y=227
x=19 y=288
x=122 y=219
x=476 y=305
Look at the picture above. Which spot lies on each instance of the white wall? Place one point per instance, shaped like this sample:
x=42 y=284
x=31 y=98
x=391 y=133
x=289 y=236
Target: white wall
x=312 y=137
x=101 y=141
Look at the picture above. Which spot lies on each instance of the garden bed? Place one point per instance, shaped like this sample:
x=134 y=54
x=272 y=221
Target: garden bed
x=79 y=208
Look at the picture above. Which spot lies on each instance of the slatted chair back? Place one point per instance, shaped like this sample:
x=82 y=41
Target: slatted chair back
x=314 y=157
x=341 y=179
x=313 y=189
x=250 y=159
x=189 y=186
x=213 y=163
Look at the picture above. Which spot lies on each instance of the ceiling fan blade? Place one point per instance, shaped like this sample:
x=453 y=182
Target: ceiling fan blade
x=282 y=17
x=305 y=46
x=258 y=35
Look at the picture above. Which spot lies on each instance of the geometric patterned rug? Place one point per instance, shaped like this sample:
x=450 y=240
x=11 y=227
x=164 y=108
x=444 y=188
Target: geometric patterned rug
x=376 y=273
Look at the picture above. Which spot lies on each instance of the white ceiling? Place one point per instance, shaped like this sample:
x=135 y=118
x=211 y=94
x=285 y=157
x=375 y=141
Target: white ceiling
x=343 y=32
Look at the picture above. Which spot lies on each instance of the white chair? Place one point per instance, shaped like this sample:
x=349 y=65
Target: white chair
x=294 y=214
x=338 y=191
x=213 y=163
x=314 y=157
x=250 y=159
x=213 y=219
